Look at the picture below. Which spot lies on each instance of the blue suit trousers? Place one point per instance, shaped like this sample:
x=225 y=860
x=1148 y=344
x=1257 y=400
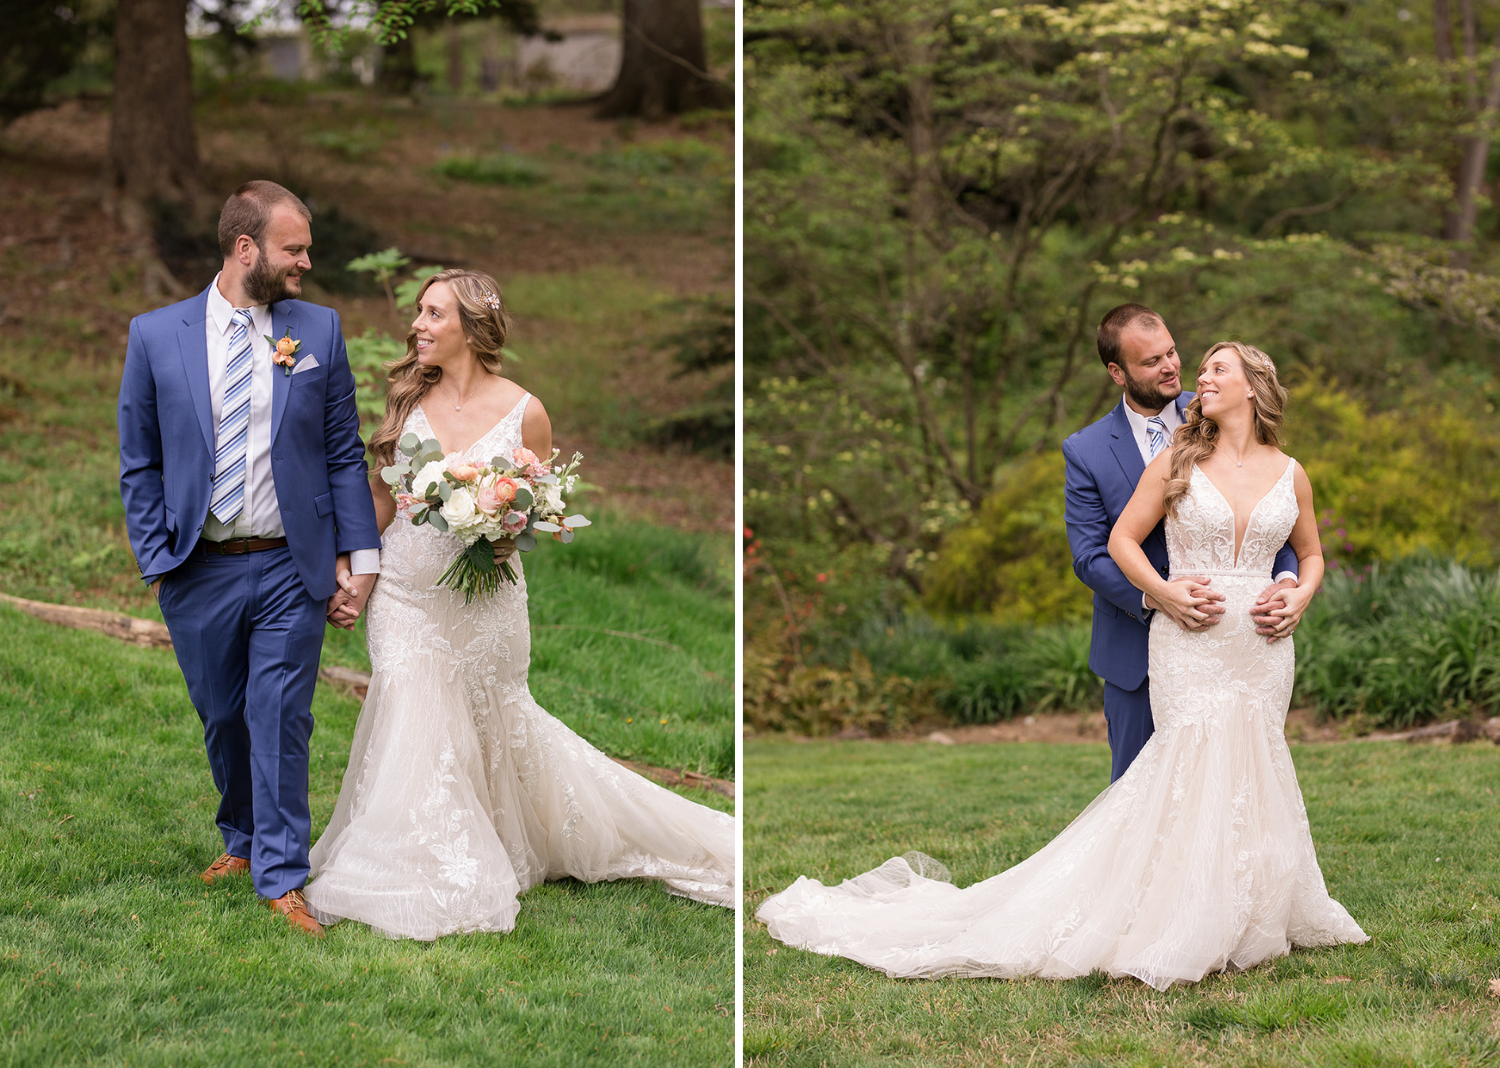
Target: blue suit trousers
x=1127 y=713
x=248 y=636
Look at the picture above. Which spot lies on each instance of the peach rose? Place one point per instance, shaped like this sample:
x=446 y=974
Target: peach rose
x=462 y=471
x=524 y=456
x=286 y=346
x=505 y=489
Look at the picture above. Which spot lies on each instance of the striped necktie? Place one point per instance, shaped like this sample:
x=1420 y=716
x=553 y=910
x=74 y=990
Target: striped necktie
x=228 y=498
x=1156 y=435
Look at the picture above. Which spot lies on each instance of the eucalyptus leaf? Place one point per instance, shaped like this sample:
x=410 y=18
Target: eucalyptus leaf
x=437 y=520
x=523 y=500
x=432 y=445
x=445 y=490
x=567 y=536
x=578 y=521
x=550 y=528
x=390 y=476
x=410 y=443
x=525 y=542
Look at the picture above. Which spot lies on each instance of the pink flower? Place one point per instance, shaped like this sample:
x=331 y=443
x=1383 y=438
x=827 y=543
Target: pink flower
x=487 y=500
x=462 y=470
x=522 y=455
x=514 y=522
x=505 y=489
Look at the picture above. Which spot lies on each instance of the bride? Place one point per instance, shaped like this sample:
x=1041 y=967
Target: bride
x=1199 y=858
x=461 y=792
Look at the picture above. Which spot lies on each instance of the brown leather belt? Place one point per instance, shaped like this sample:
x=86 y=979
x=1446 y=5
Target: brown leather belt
x=240 y=545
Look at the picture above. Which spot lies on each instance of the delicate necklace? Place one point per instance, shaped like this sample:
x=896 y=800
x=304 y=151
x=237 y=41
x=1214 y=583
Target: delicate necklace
x=464 y=397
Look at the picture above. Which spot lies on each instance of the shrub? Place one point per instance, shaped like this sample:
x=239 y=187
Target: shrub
x=1402 y=643
x=501 y=168
x=1013 y=561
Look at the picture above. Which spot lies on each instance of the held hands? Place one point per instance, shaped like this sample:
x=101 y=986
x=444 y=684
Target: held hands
x=1189 y=602
x=345 y=606
x=1279 y=609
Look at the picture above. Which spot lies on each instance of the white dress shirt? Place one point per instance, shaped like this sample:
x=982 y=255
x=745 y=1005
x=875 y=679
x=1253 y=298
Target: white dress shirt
x=1168 y=415
x=260 y=517
x=1173 y=419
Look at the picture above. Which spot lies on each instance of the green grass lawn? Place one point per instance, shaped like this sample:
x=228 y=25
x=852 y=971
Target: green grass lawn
x=113 y=952
x=1408 y=838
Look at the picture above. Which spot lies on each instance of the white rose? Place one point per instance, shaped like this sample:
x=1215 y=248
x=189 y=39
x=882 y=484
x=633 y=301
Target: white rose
x=459 y=509
x=552 y=499
x=430 y=475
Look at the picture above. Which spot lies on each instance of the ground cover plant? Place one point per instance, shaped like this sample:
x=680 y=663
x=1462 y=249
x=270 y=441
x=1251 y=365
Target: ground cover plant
x=1407 y=838
x=112 y=951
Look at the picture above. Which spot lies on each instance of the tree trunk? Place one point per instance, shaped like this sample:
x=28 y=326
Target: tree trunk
x=398 y=66
x=662 y=67
x=153 y=154
x=455 y=58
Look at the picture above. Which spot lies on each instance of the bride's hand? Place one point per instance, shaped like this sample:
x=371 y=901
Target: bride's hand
x=1190 y=603
x=505 y=548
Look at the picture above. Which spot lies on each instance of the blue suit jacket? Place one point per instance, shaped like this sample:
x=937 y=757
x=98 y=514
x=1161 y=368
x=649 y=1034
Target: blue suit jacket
x=167 y=442
x=1103 y=466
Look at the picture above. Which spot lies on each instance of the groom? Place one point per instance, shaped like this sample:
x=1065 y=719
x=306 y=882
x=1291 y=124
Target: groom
x=244 y=483
x=1104 y=462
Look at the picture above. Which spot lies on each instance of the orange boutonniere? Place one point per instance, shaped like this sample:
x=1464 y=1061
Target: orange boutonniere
x=284 y=350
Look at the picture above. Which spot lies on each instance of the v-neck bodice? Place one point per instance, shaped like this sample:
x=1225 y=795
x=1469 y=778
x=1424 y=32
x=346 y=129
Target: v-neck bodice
x=1200 y=537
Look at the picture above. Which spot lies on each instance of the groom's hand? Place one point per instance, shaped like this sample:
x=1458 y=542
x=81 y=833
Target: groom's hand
x=1190 y=603
x=345 y=606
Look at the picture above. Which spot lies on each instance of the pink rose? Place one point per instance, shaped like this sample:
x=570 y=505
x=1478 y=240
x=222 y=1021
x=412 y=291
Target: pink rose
x=463 y=471
x=487 y=500
x=514 y=522
x=524 y=456
x=505 y=489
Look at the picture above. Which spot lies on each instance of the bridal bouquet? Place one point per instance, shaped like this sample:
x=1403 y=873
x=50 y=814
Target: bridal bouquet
x=482 y=503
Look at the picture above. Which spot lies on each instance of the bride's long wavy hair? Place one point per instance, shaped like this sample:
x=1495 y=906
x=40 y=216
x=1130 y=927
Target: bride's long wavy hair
x=1198 y=437
x=481 y=311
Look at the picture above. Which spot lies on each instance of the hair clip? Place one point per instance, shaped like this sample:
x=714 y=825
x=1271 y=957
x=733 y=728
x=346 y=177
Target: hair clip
x=489 y=300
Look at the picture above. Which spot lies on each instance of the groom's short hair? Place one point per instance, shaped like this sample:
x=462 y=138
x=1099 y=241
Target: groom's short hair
x=248 y=211
x=1114 y=324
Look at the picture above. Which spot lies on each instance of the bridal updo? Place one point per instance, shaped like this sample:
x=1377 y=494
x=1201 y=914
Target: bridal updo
x=1198 y=437
x=486 y=323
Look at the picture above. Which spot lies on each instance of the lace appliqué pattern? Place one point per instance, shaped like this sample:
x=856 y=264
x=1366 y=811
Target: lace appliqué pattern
x=462 y=792
x=1199 y=858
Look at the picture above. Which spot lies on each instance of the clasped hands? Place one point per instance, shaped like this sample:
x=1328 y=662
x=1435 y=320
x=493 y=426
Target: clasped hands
x=345 y=606
x=1194 y=605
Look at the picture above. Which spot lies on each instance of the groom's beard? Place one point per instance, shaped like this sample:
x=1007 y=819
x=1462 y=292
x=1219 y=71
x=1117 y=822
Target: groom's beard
x=1148 y=395
x=266 y=286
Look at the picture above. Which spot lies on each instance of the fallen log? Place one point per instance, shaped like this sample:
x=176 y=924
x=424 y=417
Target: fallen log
x=146 y=633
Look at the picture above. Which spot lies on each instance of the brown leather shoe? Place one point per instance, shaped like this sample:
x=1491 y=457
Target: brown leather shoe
x=226 y=865
x=293 y=906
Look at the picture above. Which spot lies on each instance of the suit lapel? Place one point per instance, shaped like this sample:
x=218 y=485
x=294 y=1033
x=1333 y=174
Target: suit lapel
x=283 y=317
x=192 y=343
x=1124 y=447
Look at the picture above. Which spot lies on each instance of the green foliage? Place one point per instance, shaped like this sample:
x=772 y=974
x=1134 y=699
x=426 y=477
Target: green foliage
x=370 y=356
x=353 y=145
x=1388 y=484
x=113 y=950
x=1405 y=836
x=1401 y=643
x=1013 y=559
x=500 y=168
x=703 y=344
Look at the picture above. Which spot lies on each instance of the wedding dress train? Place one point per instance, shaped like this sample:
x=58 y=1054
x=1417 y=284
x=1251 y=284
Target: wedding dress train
x=1199 y=858
x=461 y=792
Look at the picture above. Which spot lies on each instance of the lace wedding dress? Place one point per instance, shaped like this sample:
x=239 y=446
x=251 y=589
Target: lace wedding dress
x=1199 y=858
x=461 y=792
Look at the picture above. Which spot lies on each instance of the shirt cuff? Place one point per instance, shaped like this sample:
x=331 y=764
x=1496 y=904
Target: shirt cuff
x=1286 y=575
x=364 y=562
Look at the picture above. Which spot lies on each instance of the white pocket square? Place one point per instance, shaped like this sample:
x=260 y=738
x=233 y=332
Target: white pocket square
x=305 y=364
